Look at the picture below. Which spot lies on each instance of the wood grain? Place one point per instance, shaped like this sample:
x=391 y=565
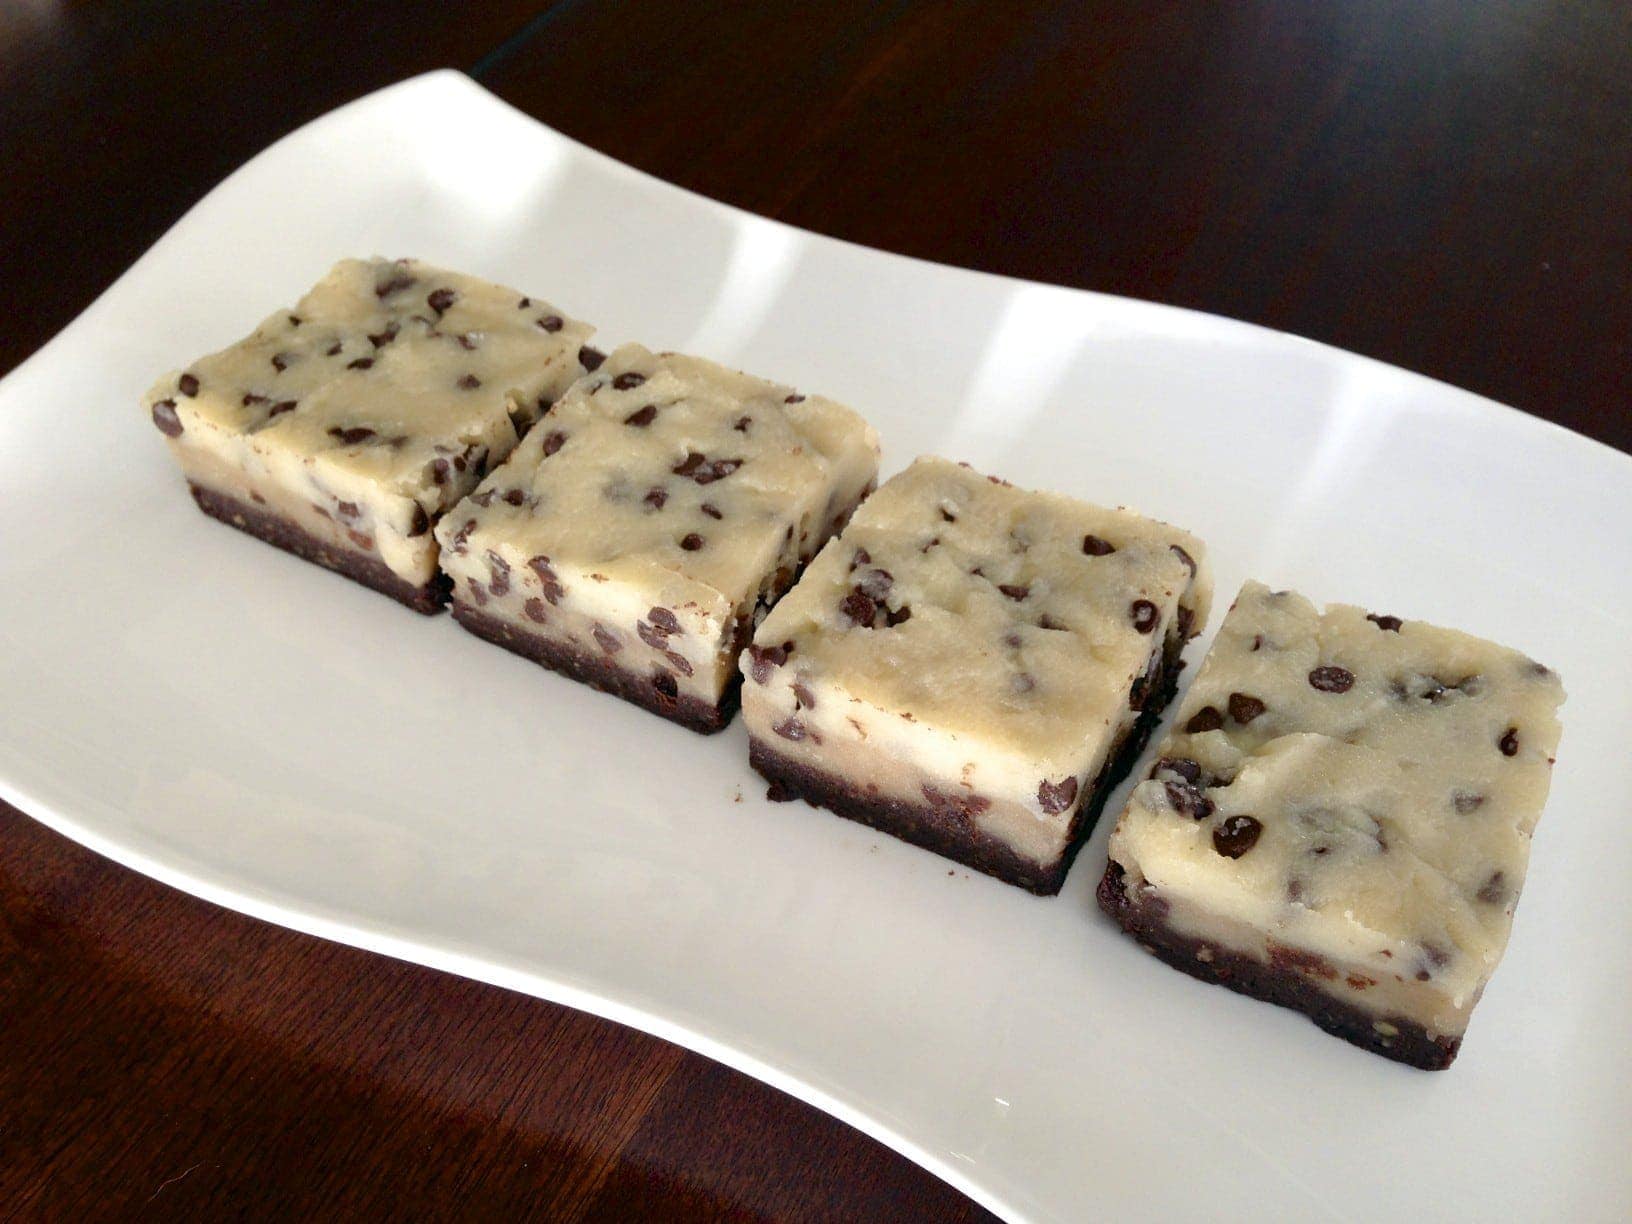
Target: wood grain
x=1446 y=187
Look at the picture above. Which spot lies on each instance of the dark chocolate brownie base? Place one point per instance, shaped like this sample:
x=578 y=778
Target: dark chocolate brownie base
x=280 y=532
x=1145 y=918
x=948 y=831
x=595 y=671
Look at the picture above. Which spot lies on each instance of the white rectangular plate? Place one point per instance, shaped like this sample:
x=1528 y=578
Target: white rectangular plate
x=251 y=729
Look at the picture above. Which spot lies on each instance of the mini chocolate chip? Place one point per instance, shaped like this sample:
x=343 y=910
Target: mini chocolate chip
x=534 y=608
x=1045 y=621
x=803 y=695
x=898 y=617
x=742 y=424
x=1332 y=679
x=420 y=523
x=362 y=363
x=875 y=584
x=666 y=684
x=947 y=516
x=692 y=542
x=553 y=590
x=469 y=382
x=1188 y=800
x=250 y=399
x=790 y=729
x=627 y=380
x=793 y=399
x=862 y=557
x=164 y=416
x=1494 y=890
x=347 y=510
x=1011 y=639
x=860 y=608
x=483 y=499
x=467 y=342
x=590 y=358
x=514 y=497
x=1144 y=615
x=652 y=636
x=1389 y=623
x=1055 y=797
x=1205 y=719
x=1182 y=767
x=334 y=349
x=380 y=339
x=1257 y=642
x=553 y=441
x=607 y=641
x=280 y=362
x=1244 y=708
x=398 y=281
x=704 y=470
x=462 y=536
x=501 y=573
x=1509 y=743
x=439 y=471
x=1096 y=547
x=524 y=303
x=279 y=408
x=761 y=659
x=1466 y=802
x=679 y=662
x=665 y=620
x=711 y=510
x=1236 y=836
x=188 y=385
x=655 y=497
x=440 y=299
x=642 y=417
x=1013 y=591
x=351 y=436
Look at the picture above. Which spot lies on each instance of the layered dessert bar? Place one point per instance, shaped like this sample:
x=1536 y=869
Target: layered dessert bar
x=972 y=666
x=637 y=534
x=1341 y=820
x=343 y=428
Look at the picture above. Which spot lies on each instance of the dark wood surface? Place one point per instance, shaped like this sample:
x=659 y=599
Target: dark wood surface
x=1444 y=186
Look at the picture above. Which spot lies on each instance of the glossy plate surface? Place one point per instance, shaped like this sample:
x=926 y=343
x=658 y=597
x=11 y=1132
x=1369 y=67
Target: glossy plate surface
x=251 y=729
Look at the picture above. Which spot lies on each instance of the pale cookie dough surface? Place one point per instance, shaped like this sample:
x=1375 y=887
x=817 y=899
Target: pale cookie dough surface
x=1354 y=787
x=982 y=641
x=660 y=482
x=373 y=404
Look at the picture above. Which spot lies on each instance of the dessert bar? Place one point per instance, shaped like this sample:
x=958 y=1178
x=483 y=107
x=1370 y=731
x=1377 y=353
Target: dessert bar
x=971 y=666
x=1340 y=821
x=635 y=536
x=342 y=429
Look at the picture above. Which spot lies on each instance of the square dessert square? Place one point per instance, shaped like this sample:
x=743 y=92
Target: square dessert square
x=636 y=535
x=972 y=666
x=1340 y=822
x=342 y=429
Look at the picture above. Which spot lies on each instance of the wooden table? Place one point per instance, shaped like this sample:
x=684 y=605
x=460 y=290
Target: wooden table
x=1444 y=186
